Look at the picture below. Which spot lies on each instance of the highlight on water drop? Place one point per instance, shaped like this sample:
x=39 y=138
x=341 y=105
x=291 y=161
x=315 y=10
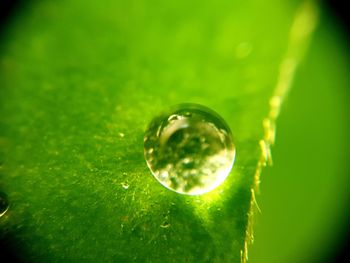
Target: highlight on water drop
x=189 y=149
x=4 y=203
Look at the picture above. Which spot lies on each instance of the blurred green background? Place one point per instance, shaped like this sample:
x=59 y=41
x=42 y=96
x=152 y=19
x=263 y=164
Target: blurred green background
x=304 y=196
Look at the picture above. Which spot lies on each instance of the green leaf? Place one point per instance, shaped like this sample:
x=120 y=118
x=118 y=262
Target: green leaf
x=304 y=196
x=80 y=82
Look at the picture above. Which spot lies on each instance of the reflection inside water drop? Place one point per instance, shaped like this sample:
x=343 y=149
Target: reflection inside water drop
x=4 y=203
x=190 y=149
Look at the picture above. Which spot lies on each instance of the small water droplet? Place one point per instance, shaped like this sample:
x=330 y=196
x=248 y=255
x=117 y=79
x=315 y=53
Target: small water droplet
x=165 y=225
x=125 y=185
x=190 y=149
x=243 y=50
x=121 y=135
x=4 y=204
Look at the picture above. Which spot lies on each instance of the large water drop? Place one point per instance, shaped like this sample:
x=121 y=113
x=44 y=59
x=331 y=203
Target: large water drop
x=189 y=149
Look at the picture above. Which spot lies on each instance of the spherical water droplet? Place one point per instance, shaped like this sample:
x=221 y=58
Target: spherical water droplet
x=4 y=204
x=243 y=49
x=190 y=149
x=165 y=225
x=125 y=185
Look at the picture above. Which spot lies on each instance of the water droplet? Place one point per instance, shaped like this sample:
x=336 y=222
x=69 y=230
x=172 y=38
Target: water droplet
x=121 y=135
x=165 y=225
x=125 y=185
x=4 y=204
x=190 y=149
x=243 y=50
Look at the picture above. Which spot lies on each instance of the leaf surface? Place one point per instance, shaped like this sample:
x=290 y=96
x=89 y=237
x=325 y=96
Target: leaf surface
x=80 y=82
